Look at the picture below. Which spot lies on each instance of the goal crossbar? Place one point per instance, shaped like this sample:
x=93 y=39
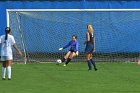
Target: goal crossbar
x=71 y=10
x=67 y=10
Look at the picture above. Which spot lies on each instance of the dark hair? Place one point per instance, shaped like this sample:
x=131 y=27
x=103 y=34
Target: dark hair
x=75 y=36
x=7 y=30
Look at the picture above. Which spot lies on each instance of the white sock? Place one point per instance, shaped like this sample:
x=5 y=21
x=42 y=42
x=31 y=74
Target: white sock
x=3 y=72
x=9 y=72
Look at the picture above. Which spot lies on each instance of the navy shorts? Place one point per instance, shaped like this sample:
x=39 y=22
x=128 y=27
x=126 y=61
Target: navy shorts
x=89 y=48
x=72 y=50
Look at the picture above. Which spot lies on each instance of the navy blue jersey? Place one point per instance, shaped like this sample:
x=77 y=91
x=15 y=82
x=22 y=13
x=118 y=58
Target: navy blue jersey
x=91 y=38
x=90 y=44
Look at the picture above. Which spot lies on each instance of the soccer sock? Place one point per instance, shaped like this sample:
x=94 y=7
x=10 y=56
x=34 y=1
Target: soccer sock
x=63 y=60
x=68 y=60
x=9 y=72
x=89 y=65
x=93 y=62
x=3 y=72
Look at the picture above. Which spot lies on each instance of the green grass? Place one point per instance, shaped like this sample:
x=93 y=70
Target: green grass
x=51 y=78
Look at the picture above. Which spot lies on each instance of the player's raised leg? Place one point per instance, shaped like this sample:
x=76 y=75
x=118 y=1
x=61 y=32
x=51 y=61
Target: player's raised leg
x=66 y=56
x=72 y=55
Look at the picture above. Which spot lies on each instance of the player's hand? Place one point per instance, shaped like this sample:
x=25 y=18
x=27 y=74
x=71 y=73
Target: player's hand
x=60 y=49
x=77 y=53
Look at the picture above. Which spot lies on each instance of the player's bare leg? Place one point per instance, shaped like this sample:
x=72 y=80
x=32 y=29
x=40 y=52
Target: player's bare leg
x=66 y=56
x=93 y=62
x=72 y=55
x=89 y=62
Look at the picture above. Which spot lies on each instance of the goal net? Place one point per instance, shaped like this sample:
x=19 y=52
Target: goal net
x=39 y=33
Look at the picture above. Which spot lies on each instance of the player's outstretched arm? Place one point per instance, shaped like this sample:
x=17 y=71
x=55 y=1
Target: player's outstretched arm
x=17 y=49
x=65 y=46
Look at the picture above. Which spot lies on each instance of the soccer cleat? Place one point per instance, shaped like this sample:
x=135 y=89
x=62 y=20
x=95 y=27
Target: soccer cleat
x=3 y=78
x=95 y=69
x=64 y=65
x=89 y=69
x=9 y=78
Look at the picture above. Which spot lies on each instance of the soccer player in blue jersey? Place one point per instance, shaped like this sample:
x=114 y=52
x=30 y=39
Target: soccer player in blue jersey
x=90 y=47
x=73 y=51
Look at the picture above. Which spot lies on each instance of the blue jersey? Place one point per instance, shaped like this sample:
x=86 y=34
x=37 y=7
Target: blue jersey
x=73 y=45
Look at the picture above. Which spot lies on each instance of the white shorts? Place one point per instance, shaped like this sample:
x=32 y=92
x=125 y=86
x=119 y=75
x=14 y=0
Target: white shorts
x=5 y=58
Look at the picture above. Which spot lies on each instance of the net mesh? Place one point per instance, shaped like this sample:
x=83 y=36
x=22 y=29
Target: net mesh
x=117 y=34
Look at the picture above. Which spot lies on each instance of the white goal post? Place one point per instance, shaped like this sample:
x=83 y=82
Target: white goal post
x=57 y=10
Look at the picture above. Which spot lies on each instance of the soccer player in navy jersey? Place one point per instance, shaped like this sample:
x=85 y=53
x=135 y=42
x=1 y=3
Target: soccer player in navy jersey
x=73 y=51
x=90 y=47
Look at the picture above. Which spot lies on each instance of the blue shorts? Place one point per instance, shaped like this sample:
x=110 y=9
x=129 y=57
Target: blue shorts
x=89 y=48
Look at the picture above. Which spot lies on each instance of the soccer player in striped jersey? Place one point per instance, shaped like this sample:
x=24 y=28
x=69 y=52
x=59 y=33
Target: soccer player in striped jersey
x=90 y=47
x=7 y=41
x=73 y=51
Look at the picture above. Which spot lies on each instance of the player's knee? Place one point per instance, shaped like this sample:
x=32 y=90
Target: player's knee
x=71 y=57
x=65 y=57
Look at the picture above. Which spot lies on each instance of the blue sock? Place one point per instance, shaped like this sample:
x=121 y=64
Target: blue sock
x=93 y=62
x=89 y=65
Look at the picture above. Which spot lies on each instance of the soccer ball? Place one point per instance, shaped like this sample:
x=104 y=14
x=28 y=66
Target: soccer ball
x=58 y=61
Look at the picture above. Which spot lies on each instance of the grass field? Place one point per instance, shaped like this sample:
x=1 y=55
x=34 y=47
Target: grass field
x=51 y=78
